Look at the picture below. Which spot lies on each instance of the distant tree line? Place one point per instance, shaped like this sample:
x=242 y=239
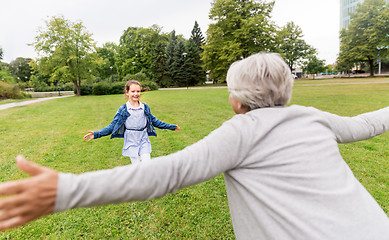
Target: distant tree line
x=69 y=57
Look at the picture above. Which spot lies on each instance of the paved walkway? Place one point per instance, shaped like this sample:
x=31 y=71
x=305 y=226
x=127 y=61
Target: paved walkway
x=191 y=88
x=17 y=104
x=339 y=83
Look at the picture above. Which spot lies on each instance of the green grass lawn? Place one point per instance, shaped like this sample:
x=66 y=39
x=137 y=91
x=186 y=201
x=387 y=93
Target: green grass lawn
x=50 y=133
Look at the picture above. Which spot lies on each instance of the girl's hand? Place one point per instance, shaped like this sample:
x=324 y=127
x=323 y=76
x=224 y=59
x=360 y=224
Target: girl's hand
x=28 y=199
x=177 y=128
x=89 y=136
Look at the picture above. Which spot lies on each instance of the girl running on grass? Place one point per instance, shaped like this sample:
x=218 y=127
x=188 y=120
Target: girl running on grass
x=134 y=122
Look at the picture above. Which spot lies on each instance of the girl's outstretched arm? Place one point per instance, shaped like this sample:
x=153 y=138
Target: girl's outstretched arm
x=28 y=199
x=89 y=136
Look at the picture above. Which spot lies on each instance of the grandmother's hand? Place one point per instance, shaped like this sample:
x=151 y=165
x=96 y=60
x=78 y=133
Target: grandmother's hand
x=28 y=199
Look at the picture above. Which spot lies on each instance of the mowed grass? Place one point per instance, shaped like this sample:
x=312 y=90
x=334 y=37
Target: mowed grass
x=50 y=133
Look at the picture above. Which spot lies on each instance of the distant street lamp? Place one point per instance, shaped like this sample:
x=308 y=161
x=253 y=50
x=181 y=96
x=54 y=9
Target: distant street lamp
x=133 y=69
x=186 y=79
x=110 y=67
x=379 y=57
x=59 y=91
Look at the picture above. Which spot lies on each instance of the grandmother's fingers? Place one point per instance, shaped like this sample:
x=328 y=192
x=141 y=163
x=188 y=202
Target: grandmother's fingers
x=30 y=198
x=9 y=188
x=18 y=220
x=13 y=222
x=11 y=203
x=27 y=210
x=13 y=211
x=20 y=215
x=29 y=167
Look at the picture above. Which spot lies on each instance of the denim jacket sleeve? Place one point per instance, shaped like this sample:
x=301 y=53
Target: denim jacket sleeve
x=156 y=122
x=113 y=126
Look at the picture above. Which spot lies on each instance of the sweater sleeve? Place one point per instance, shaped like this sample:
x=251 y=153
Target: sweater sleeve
x=215 y=154
x=361 y=127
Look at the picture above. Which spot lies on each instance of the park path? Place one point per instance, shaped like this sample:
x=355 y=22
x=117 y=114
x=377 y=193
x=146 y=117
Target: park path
x=17 y=104
x=339 y=83
x=296 y=84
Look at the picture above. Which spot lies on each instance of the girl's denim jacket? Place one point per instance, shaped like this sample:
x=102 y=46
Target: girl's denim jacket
x=117 y=128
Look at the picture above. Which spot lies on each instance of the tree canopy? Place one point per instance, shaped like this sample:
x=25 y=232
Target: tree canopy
x=240 y=28
x=65 y=51
x=292 y=45
x=108 y=68
x=367 y=36
x=197 y=36
x=315 y=66
x=137 y=48
x=21 y=69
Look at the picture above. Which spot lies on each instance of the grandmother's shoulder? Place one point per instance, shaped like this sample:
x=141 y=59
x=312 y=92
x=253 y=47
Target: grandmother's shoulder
x=282 y=112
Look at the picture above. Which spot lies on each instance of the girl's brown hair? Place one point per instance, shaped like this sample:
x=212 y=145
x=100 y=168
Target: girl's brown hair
x=129 y=83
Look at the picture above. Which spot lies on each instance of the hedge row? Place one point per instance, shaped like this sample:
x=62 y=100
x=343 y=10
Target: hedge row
x=106 y=88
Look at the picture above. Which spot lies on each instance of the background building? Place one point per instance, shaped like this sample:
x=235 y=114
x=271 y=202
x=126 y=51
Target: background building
x=347 y=7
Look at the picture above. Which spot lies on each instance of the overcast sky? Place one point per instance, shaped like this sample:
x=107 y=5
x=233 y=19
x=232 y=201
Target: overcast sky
x=106 y=20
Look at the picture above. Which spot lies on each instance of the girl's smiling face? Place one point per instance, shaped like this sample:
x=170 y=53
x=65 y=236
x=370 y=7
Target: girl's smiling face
x=134 y=93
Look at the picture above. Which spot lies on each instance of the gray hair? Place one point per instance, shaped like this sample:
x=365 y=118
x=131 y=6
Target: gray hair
x=261 y=80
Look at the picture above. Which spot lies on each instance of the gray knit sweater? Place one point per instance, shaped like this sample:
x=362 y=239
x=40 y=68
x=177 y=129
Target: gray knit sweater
x=284 y=175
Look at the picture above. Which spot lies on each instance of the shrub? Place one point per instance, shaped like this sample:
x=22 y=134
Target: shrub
x=114 y=78
x=149 y=86
x=11 y=91
x=140 y=77
x=68 y=86
x=117 y=87
x=6 y=76
x=101 y=88
x=85 y=89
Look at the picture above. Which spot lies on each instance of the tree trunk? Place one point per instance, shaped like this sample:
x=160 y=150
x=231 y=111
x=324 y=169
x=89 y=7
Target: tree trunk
x=371 y=64
x=78 y=89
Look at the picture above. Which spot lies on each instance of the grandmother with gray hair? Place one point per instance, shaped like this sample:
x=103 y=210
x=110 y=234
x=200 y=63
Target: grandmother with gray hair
x=284 y=175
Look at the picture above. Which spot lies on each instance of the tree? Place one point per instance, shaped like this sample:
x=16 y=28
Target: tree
x=158 y=65
x=367 y=36
x=170 y=52
x=197 y=36
x=291 y=45
x=344 y=62
x=1 y=53
x=6 y=76
x=194 y=71
x=240 y=28
x=178 y=67
x=329 y=69
x=66 y=51
x=315 y=66
x=21 y=69
x=108 y=67
x=136 y=49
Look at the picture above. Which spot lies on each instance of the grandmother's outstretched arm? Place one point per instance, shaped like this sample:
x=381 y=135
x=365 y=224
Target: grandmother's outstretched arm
x=25 y=200
x=361 y=127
